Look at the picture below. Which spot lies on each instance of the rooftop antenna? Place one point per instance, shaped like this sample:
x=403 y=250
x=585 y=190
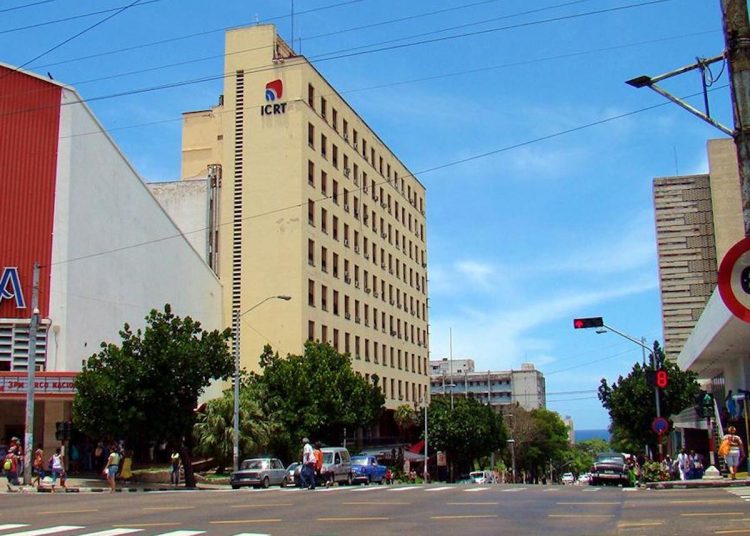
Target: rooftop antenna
x=292 y=39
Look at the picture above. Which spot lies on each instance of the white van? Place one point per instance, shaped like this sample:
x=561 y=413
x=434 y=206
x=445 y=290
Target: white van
x=337 y=465
x=482 y=477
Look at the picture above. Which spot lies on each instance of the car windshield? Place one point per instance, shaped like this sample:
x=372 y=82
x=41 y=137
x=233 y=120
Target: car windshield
x=610 y=458
x=476 y=474
x=359 y=460
x=328 y=457
x=255 y=464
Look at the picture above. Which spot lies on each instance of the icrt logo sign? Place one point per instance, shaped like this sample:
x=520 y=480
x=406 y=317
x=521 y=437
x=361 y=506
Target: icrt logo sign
x=274 y=91
x=10 y=287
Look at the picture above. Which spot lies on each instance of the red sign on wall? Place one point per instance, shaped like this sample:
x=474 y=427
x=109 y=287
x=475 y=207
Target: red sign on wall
x=46 y=385
x=29 y=132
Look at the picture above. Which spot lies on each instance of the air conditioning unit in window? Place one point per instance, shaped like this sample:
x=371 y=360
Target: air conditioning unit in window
x=346 y=136
x=357 y=320
x=356 y=213
x=382 y=265
x=347 y=316
x=375 y=294
x=346 y=207
x=392 y=302
x=355 y=145
x=347 y=279
x=367 y=255
x=393 y=333
x=346 y=242
x=383 y=234
x=382 y=204
x=365 y=188
x=347 y=171
x=356 y=284
x=367 y=290
x=375 y=197
x=356 y=249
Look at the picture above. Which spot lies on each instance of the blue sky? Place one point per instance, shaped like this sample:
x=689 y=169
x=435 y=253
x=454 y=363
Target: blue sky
x=550 y=226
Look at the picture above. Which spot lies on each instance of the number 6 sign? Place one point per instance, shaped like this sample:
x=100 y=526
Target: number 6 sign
x=734 y=279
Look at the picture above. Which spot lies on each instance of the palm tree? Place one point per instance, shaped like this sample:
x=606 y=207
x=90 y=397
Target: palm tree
x=214 y=428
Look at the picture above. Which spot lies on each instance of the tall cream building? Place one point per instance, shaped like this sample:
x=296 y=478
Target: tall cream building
x=305 y=200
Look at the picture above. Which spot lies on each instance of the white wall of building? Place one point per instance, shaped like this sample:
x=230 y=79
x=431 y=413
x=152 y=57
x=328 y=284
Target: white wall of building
x=186 y=202
x=116 y=253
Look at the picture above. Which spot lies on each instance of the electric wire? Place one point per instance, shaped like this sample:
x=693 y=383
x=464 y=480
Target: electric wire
x=71 y=38
x=315 y=59
x=5 y=10
x=72 y=17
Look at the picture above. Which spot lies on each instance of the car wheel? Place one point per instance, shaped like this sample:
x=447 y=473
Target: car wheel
x=235 y=486
x=285 y=482
x=265 y=483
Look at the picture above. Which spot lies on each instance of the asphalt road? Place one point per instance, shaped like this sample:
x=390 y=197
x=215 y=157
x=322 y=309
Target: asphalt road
x=434 y=510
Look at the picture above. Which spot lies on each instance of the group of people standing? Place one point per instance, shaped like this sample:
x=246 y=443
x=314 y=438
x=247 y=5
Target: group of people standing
x=13 y=466
x=312 y=464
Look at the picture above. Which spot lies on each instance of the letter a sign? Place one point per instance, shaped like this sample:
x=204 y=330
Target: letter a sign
x=10 y=287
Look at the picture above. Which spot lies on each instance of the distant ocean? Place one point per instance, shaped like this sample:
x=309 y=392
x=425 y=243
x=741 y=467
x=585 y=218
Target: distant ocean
x=583 y=435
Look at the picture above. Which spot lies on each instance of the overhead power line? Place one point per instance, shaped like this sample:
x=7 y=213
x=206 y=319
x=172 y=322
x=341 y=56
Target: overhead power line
x=14 y=8
x=71 y=38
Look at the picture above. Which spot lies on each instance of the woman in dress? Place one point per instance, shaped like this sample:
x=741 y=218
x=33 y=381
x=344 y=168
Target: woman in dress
x=736 y=451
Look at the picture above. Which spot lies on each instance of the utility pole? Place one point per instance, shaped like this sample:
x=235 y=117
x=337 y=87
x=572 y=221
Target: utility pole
x=30 y=372
x=737 y=40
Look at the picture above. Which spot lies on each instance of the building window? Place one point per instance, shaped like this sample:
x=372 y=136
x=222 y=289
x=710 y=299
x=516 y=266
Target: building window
x=311 y=212
x=336 y=302
x=335 y=195
x=335 y=155
x=335 y=119
x=311 y=135
x=335 y=228
x=335 y=264
x=311 y=292
x=375 y=352
x=311 y=96
x=345 y=129
x=323 y=108
x=311 y=252
x=324 y=333
x=324 y=182
x=335 y=339
x=324 y=220
x=311 y=173
x=324 y=259
x=323 y=146
x=324 y=299
x=310 y=330
x=347 y=348
x=356 y=347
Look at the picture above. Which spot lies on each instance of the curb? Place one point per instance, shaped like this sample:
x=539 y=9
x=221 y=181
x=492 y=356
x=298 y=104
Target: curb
x=697 y=484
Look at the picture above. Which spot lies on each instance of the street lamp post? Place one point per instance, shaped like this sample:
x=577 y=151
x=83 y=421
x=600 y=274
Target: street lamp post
x=236 y=347
x=512 y=443
x=426 y=472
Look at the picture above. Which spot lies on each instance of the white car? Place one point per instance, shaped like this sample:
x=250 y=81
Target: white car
x=568 y=478
x=584 y=478
x=482 y=477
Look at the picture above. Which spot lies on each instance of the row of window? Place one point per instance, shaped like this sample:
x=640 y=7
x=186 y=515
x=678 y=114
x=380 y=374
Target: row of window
x=408 y=276
x=370 y=351
x=360 y=145
x=368 y=190
x=364 y=313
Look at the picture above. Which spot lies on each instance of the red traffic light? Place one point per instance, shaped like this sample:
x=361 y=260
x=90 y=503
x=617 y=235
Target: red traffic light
x=594 y=322
x=662 y=379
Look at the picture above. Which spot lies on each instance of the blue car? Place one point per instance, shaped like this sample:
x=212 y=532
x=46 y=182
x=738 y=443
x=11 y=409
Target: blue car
x=366 y=469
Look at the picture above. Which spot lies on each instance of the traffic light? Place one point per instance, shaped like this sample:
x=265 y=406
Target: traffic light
x=657 y=378
x=594 y=322
x=704 y=403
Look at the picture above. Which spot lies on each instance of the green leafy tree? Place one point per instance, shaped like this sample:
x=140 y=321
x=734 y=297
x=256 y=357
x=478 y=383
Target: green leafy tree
x=631 y=403
x=214 y=429
x=317 y=394
x=467 y=432
x=147 y=388
x=405 y=417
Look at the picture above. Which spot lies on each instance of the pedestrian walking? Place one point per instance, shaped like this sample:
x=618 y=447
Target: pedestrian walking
x=37 y=466
x=318 y=461
x=57 y=468
x=683 y=464
x=113 y=464
x=174 y=468
x=307 y=474
x=735 y=451
x=10 y=467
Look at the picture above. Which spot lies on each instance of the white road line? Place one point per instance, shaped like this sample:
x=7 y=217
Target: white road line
x=405 y=488
x=112 y=532
x=441 y=488
x=367 y=488
x=552 y=489
x=182 y=533
x=475 y=489
x=513 y=490
x=11 y=526
x=48 y=530
x=251 y=534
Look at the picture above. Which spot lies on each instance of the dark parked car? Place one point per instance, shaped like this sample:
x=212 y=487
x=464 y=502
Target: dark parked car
x=260 y=473
x=366 y=469
x=609 y=468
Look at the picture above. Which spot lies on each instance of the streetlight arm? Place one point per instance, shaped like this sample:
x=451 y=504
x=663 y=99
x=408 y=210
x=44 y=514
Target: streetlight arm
x=628 y=337
x=285 y=298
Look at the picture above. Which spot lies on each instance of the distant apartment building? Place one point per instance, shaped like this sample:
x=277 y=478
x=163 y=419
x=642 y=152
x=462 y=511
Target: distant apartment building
x=524 y=387
x=303 y=199
x=698 y=218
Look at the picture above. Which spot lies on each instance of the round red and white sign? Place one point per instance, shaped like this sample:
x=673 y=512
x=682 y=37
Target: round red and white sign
x=734 y=279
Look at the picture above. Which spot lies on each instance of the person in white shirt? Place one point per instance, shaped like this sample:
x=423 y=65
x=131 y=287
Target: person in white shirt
x=307 y=473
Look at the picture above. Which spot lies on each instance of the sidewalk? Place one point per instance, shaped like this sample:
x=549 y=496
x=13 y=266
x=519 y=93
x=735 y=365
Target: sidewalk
x=690 y=484
x=96 y=485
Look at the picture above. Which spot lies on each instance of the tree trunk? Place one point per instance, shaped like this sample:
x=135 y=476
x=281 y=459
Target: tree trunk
x=187 y=465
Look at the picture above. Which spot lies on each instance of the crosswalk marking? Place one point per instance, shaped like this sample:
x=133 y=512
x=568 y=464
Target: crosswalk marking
x=49 y=530
x=441 y=488
x=11 y=526
x=183 y=533
x=512 y=490
x=743 y=494
x=405 y=488
x=552 y=489
x=112 y=532
x=476 y=489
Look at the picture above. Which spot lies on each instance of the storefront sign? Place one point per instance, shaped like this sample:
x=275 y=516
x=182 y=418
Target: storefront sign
x=274 y=91
x=46 y=384
x=10 y=287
